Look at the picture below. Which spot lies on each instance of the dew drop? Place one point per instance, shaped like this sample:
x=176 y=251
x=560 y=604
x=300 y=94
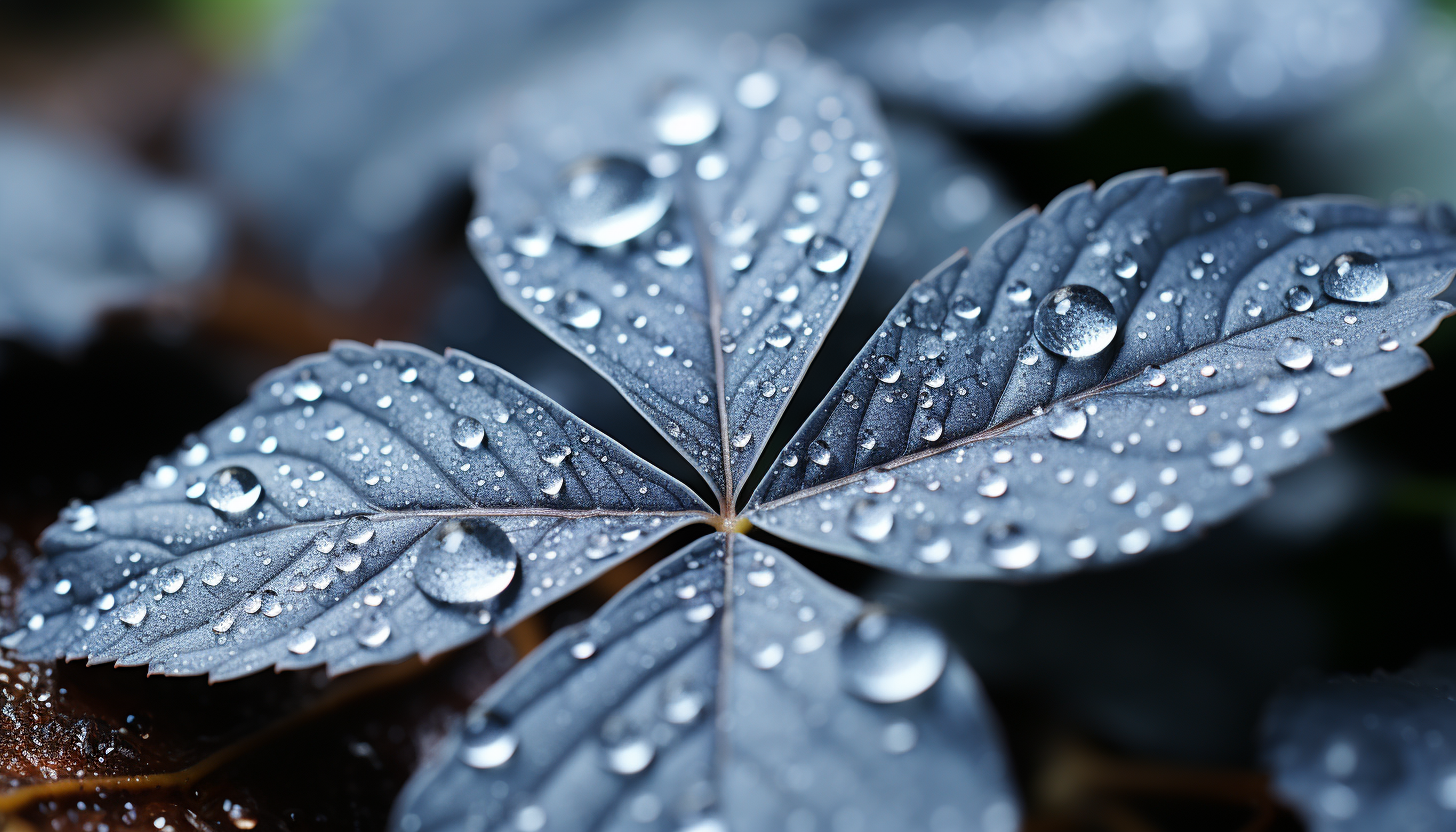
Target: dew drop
x=778 y=336
x=487 y=742
x=604 y=202
x=373 y=629
x=1012 y=547
x=1124 y=266
x=965 y=308
x=991 y=483
x=579 y=310
x=1134 y=541
x=468 y=433
x=171 y=579
x=879 y=481
x=627 y=752
x=1018 y=291
x=465 y=562
x=1356 y=277
x=1075 y=321
x=307 y=389
x=550 y=482
x=132 y=614
x=535 y=239
x=232 y=491
x=885 y=369
x=1277 y=397
x=889 y=658
x=1298 y=299
x=871 y=520
x=1293 y=353
x=1067 y=422
x=302 y=642
x=819 y=453
x=682 y=701
x=1178 y=518
x=685 y=114
x=826 y=254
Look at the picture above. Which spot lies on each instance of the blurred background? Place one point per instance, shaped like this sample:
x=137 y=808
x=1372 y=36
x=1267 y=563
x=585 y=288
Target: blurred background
x=195 y=191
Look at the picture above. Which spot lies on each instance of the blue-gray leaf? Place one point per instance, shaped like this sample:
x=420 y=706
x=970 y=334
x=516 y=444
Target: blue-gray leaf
x=1042 y=63
x=81 y=234
x=1373 y=754
x=690 y=224
x=725 y=690
x=362 y=506
x=1105 y=377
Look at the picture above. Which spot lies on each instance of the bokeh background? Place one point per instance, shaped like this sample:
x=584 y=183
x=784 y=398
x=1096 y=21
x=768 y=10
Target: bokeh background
x=195 y=191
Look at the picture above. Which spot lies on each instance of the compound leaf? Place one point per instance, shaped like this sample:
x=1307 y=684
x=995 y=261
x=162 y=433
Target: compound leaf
x=81 y=234
x=729 y=688
x=690 y=224
x=1375 y=754
x=1038 y=63
x=1102 y=378
x=362 y=506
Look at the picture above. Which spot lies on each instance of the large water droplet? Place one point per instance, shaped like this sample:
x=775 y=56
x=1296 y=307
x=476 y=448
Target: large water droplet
x=170 y=580
x=1277 y=397
x=819 y=452
x=468 y=433
x=885 y=369
x=871 y=520
x=465 y=562
x=826 y=254
x=302 y=642
x=232 y=491
x=1293 y=353
x=579 y=310
x=133 y=613
x=607 y=201
x=1355 y=276
x=1075 y=321
x=888 y=658
x=1067 y=422
x=685 y=114
x=626 y=751
x=1011 y=547
x=991 y=483
x=488 y=742
x=373 y=629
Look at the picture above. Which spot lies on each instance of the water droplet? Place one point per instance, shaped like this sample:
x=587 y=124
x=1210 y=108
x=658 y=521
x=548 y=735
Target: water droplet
x=535 y=239
x=826 y=254
x=768 y=657
x=82 y=518
x=682 y=701
x=133 y=613
x=1067 y=422
x=685 y=114
x=965 y=308
x=879 y=481
x=711 y=166
x=465 y=562
x=583 y=650
x=306 y=389
x=1277 y=397
x=487 y=742
x=62 y=586
x=1133 y=541
x=1306 y=265
x=1227 y=454
x=603 y=202
x=1293 y=353
x=1075 y=321
x=1018 y=291
x=1299 y=219
x=819 y=453
x=1122 y=493
x=373 y=629
x=991 y=483
x=1178 y=518
x=1388 y=343
x=302 y=642
x=627 y=752
x=741 y=439
x=1356 y=277
x=1299 y=299
x=885 y=369
x=807 y=201
x=1124 y=266
x=935 y=550
x=468 y=433
x=779 y=336
x=871 y=520
x=550 y=482
x=233 y=491
x=171 y=579
x=889 y=658
x=579 y=310
x=1082 y=547
x=757 y=90
x=1012 y=547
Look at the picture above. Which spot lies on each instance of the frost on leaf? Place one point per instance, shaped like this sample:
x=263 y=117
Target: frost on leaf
x=81 y=234
x=687 y=703
x=1105 y=377
x=690 y=224
x=1374 y=754
x=1029 y=63
x=362 y=506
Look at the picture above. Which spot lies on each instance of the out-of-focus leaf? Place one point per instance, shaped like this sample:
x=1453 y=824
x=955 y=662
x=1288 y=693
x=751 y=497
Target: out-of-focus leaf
x=81 y=234
x=1374 y=754
x=1201 y=356
x=725 y=690
x=690 y=224
x=1043 y=63
x=362 y=506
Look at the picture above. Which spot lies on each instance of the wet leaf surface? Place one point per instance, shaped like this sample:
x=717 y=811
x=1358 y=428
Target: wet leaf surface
x=363 y=506
x=1108 y=375
x=690 y=228
x=718 y=695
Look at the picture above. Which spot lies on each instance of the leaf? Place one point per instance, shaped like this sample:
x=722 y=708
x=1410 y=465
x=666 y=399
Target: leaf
x=362 y=506
x=713 y=694
x=81 y=234
x=957 y=443
x=701 y=289
x=1040 y=63
x=1371 y=753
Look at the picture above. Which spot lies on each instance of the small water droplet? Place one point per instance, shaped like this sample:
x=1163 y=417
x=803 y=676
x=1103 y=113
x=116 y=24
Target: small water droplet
x=468 y=433
x=1075 y=321
x=889 y=658
x=487 y=742
x=1133 y=541
x=871 y=520
x=1178 y=518
x=465 y=562
x=1012 y=547
x=171 y=579
x=302 y=642
x=1277 y=397
x=579 y=310
x=757 y=90
x=1388 y=343
x=82 y=518
x=232 y=491
x=779 y=336
x=1356 y=277
x=1018 y=291
x=991 y=483
x=132 y=614
x=965 y=308
x=879 y=481
x=1293 y=353
x=1299 y=299
x=550 y=482
x=604 y=202
x=1124 y=266
x=1299 y=219
x=535 y=239
x=627 y=752
x=1306 y=265
x=682 y=701
x=305 y=389
x=768 y=657
x=885 y=369
x=741 y=439
x=1067 y=422
x=685 y=114
x=373 y=629
x=935 y=550
x=826 y=254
